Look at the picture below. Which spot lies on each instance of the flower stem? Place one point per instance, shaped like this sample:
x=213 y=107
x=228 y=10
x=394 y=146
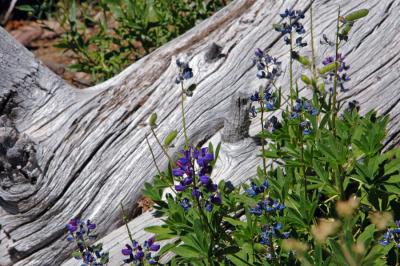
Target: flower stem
x=334 y=111
x=314 y=69
x=291 y=67
x=152 y=155
x=262 y=139
x=183 y=117
x=162 y=147
x=125 y=220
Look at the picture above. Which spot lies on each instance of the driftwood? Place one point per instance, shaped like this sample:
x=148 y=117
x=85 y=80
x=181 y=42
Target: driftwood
x=66 y=152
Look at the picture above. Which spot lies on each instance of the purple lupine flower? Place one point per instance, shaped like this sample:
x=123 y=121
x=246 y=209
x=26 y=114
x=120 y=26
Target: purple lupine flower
x=216 y=199
x=90 y=225
x=204 y=179
x=185 y=72
x=208 y=206
x=211 y=187
x=196 y=193
x=154 y=247
x=127 y=251
x=72 y=226
x=187 y=181
x=186 y=204
x=180 y=187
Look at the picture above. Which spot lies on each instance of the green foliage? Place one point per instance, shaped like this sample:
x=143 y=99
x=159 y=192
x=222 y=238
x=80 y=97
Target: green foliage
x=126 y=30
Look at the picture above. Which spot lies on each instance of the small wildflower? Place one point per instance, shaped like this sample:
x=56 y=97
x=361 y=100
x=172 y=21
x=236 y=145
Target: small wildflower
x=185 y=72
x=186 y=204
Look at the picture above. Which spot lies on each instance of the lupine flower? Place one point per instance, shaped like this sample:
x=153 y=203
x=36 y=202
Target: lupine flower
x=216 y=199
x=272 y=124
x=353 y=105
x=138 y=254
x=186 y=204
x=268 y=67
x=208 y=206
x=185 y=72
x=269 y=232
x=392 y=236
x=342 y=76
x=82 y=232
x=254 y=190
x=292 y=24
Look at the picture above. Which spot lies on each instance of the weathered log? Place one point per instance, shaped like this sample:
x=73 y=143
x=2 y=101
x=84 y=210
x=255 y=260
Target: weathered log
x=66 y=152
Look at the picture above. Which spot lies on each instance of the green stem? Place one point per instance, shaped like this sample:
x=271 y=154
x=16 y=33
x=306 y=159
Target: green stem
x=334 y=111
x=262 y=139
x=125 y=220
x=183 y=117
x=303 y=172
x=162 y=147
x=314 y=69
x=291 y=68
x=152 y=155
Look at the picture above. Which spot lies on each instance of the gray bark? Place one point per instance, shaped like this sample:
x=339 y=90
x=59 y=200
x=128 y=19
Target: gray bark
x=66 y=152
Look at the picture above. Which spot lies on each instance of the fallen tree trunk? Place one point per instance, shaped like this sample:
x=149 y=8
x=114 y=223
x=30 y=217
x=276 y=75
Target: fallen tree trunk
x=66 y=152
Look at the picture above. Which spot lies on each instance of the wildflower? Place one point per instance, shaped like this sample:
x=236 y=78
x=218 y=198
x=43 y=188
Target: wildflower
x=292 y=24
x=208 y=206
x=392 y=236
x=138 y=254
x=185 y=72
x=186 y=204
x=268 y=67
x=341 y=74
x=196 y=193
x=82 y=233
x=272 y=124
x=216 y=199
x=255 y=190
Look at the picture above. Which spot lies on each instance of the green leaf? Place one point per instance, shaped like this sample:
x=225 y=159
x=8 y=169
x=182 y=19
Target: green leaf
x=171 y=136
x=153 y=119
x=26 y=8
x=328 y=68
x=76 y=254
x=186 y=251
x=357 y=15
x=156 y=229
x=305 y=79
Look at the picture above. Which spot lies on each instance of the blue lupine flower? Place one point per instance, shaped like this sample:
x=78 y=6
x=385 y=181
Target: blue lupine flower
x=272 y=124
x=208 y=206
x=342 y=76
x=180 y=187
x=81 y=232
x=292 y=23
x=216 y=199
x=204 y=179
x=196 y=193
x=186 y=204
x=392 y=235
x=256 y=210
x=185 y=72
x=254 y=190
x=138 y=255
x=294 y=115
